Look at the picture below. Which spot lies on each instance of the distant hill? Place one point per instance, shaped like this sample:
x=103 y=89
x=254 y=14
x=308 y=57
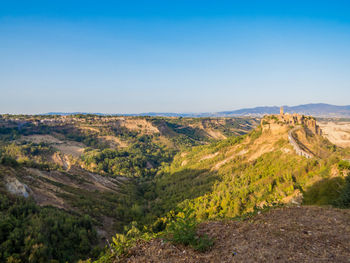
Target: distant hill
x=317 y=110
x=314 y=109
x=73 y=113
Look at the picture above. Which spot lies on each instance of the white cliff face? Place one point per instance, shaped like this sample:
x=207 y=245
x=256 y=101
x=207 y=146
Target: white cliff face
x=16 y=187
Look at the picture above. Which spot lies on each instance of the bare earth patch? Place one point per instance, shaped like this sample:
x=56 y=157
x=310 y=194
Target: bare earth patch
x=70 y=149
x=216 y=134
x=41 y=138
x=209 y=156
x=67 y=147
x=137 y=124
x=114 y=142
x=337 y=133
x=295 y=234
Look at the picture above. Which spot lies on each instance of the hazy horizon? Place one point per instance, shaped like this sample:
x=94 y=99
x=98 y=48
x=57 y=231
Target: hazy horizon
x=183 y=56
x=174 y=112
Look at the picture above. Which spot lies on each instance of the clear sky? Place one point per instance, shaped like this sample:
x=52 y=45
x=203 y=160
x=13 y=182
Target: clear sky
x=172 y=55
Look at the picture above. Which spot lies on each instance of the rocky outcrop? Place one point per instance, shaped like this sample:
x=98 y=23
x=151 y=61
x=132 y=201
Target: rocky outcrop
x=16 y=187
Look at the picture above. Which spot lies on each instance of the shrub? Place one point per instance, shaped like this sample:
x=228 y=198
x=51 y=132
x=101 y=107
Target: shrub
x=122 y=242
x=343 y=165
x=344 y=199
x=183 y=230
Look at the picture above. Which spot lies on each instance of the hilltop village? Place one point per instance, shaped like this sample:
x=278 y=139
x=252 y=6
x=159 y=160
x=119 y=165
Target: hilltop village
x=297 y=119
x=294 y=119
x=296 y=122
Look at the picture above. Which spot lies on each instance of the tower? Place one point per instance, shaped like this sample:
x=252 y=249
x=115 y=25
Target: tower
x=281 y=111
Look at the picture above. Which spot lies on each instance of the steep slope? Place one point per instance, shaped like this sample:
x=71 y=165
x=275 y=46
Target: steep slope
x=237 y=178
x=233 y=176
x=76 y=191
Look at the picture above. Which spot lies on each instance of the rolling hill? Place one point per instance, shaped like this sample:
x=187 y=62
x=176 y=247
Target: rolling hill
x=314 y=109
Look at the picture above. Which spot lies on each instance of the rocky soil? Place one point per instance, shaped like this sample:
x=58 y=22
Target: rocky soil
x=295 y=234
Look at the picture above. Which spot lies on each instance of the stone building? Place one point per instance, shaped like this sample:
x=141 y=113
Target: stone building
x=297 y=119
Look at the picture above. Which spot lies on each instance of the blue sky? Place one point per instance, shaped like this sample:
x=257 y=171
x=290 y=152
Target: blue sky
x=172 y=56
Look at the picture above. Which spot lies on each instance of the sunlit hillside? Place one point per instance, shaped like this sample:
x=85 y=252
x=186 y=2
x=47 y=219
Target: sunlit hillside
x=91 y=170
x=233 y=176
x=286 y=161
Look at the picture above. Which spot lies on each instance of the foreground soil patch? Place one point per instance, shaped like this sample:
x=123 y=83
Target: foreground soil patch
x=297 y=234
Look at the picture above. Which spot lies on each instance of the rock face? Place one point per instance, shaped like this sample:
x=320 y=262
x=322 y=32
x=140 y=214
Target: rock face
x=16 y=187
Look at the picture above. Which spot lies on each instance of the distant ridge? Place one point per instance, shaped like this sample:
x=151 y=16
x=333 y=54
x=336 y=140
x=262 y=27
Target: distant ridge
x=314 y=109
x=73 y=113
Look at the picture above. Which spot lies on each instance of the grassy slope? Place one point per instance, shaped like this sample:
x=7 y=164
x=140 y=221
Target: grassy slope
x=231 y=177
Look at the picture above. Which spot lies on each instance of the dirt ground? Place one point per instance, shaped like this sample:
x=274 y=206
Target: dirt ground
x=114 y=142
x=67 y=147
x=296 y=234
x=338 y=133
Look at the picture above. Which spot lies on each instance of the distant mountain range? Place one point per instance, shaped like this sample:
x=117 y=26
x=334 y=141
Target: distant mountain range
x=314 y=109
x=317 y=110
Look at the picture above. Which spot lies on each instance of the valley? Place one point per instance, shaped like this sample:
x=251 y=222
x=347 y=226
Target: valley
x=174 y=131
x=116 y=174
x=97 y=166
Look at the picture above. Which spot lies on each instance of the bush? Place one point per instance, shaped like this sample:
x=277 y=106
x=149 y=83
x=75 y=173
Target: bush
x=123 y=242
x=8 y=161
x=343 y=165
x=183 y=230
x=344 y=200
